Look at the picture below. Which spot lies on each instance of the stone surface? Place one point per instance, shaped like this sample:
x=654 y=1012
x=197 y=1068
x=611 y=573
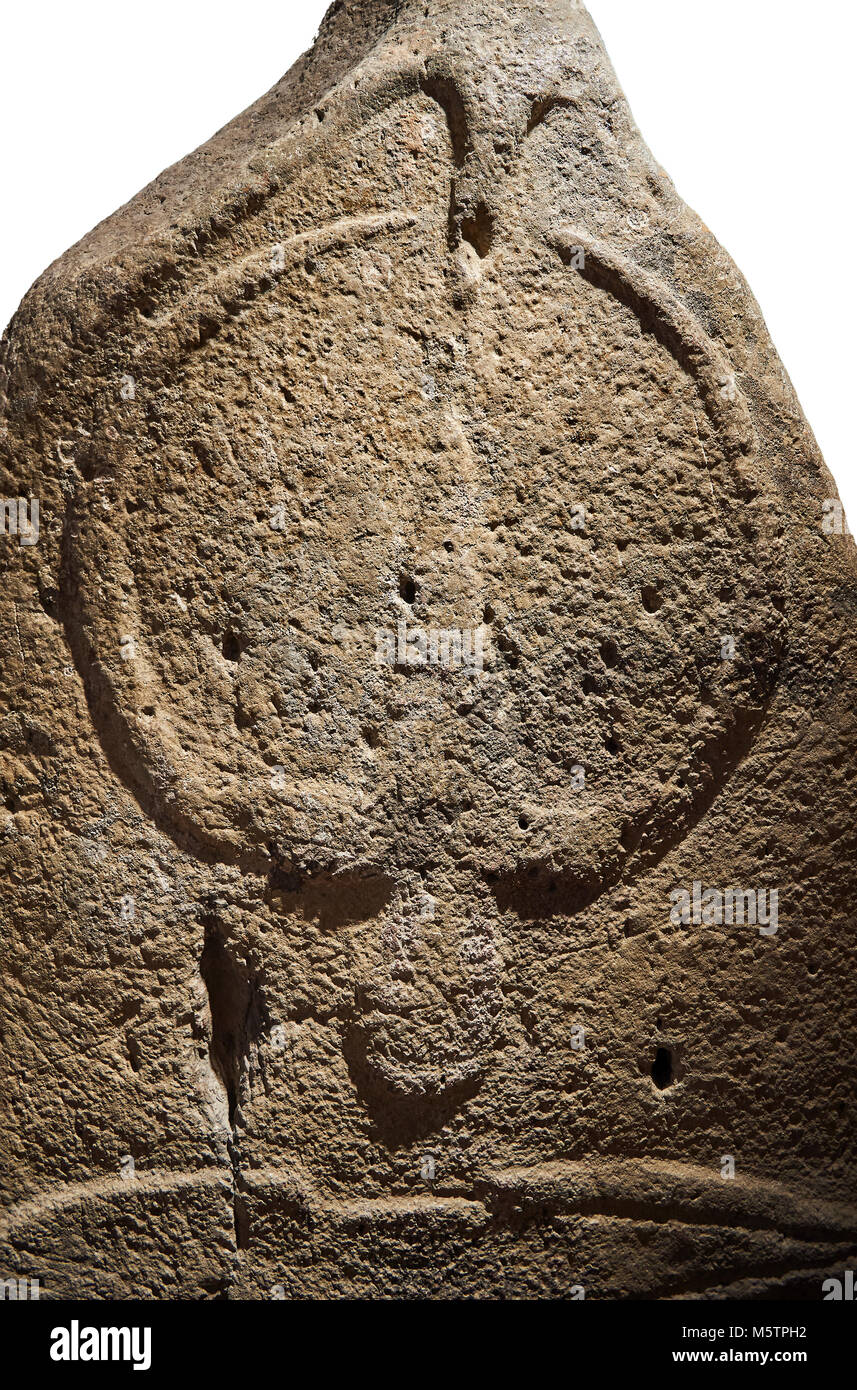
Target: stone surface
x=435 y=574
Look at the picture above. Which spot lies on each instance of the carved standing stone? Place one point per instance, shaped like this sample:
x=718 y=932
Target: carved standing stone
x=427 y=746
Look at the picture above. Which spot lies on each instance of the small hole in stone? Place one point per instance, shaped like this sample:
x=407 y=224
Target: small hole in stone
x=48 y=600
x=612 y=745
x=652 y=598
x=609 y=652
x=523 y=822
x=448 y=546
x=662 y=1069
x=407 y=588
x=231 y=647
x=479 y=230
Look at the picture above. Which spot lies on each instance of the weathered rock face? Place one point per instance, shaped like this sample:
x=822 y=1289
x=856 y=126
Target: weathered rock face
x=434 y=578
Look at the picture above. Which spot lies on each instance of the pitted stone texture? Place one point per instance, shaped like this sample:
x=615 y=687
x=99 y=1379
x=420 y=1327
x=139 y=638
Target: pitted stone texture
x=365 y=959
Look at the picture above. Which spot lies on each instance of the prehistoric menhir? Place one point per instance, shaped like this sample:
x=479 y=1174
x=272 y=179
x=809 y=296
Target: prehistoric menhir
x=427 y=739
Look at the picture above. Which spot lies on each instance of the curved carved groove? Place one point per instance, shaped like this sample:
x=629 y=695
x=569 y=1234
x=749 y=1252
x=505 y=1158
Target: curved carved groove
x=660 y=313
x=54 y=1201
x=177 y=258
x=447 y=93
x=200 y=316
x=542 y=108
x=674 y=325
x=657 y=1190
x=538 y=890
x=161 y=804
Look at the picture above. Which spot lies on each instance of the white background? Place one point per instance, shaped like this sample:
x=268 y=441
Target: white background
x=748 y=105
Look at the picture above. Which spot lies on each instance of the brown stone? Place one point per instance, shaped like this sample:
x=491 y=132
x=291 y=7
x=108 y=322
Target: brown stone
x=434 y=577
